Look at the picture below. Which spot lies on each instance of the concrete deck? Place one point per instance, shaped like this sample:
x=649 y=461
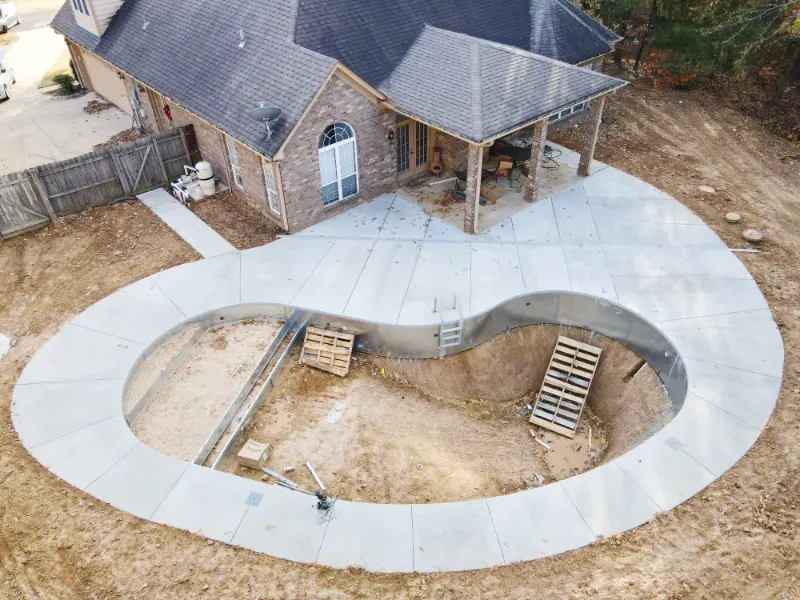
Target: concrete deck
x=611 y=236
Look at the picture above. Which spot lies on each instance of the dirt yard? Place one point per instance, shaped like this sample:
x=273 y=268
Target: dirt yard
x=738 y=540
x=239 y=223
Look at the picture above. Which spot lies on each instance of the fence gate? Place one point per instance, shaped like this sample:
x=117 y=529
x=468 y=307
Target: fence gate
x=30 y=199
x=21 y=205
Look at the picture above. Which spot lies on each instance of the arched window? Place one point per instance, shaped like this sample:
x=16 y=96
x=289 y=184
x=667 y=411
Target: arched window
x=338 y=163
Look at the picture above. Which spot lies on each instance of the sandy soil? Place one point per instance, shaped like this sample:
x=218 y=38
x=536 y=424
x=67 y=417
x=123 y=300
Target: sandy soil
x=155 y=364
x=56 y=542
x=239 y=223
x=181 y=416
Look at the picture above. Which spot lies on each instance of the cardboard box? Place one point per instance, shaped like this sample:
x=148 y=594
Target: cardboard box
x=491 y=191
x=253 y=454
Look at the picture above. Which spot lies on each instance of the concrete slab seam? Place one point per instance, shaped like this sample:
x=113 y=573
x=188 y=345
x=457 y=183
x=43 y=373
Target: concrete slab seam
x=119 y=337
x=121 y=458
x=496 y=535
x=158 y=287
x=58 y=437
x=410 y=279
x=177 y=481
x=583 y=518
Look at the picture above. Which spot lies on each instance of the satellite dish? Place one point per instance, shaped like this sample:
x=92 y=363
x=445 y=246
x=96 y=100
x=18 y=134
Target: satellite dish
x=267 y=115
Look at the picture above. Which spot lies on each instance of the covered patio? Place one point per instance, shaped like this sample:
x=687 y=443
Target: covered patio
x=487 y=120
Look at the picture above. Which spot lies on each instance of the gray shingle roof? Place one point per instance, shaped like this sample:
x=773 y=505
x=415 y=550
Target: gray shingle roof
x=190 y=53
x=479 y=89
x=371 y=37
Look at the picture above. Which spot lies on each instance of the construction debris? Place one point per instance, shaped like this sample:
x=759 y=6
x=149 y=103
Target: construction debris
x=336 y=412
x=565 y=388
x=328 y=350
x=288 y=469
x=316 y=478
x=279 y=478
x=253 y=454
x=546 y=446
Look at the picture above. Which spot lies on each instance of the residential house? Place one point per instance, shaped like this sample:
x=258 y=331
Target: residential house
x=366 y=88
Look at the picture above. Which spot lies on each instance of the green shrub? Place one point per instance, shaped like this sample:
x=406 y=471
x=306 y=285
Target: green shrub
x=65 y=83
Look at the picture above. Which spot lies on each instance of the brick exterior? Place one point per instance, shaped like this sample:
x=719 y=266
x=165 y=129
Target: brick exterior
x=209 y=140
x=255 y=185
x=454 y=151
x=589 y=131
x=472 y=206
x=149 y=121
x=534 y=178
x=302 y=187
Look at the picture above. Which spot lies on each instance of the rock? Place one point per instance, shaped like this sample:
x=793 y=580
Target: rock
x=706 y=189
x=733 y=217
x=753 y=235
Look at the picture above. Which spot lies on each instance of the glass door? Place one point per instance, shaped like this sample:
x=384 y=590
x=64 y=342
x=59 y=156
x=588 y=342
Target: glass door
x=413 y=153
x=404 y=148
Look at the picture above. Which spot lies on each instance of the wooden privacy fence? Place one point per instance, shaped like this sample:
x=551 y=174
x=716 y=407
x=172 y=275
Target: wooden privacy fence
x=32 y=198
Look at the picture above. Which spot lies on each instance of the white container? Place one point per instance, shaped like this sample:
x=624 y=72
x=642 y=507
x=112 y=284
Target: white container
x=205 y=173
x=196 y=191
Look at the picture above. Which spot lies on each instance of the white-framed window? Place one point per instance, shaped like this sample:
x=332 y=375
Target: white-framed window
x=272 y=187
x=81 y=6
x=567 y=112
x=237 y=172
x=338 y=163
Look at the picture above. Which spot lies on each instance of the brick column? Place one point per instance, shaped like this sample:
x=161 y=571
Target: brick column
x=589 y=130
x=531 y=185
x=474 y=170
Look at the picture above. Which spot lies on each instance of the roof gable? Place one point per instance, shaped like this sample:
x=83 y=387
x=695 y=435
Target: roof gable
x=487 y=89
x=371 y=37
x=190 y=53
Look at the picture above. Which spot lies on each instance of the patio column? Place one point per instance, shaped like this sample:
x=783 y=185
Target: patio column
x=474 y=170
x=532 y=181
x=591 y=126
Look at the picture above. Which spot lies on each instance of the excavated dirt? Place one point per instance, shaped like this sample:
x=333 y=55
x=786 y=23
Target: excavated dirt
x=625 y=395
x=181 y=416
x=413 y=432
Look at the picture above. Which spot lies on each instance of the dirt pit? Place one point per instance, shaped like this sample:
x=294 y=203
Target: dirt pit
x=419 y=431
x=188 y=406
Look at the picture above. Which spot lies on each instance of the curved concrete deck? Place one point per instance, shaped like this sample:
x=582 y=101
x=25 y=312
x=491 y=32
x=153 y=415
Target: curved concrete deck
x=613 y=237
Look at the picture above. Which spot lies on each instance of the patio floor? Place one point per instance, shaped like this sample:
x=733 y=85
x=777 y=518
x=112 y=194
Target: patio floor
x=437 y=201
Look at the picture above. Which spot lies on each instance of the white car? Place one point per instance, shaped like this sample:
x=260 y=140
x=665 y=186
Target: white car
x=9 y=16
x=6 y=77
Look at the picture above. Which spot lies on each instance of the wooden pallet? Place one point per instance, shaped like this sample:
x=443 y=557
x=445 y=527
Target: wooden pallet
x=327 y=350
x=566 y=386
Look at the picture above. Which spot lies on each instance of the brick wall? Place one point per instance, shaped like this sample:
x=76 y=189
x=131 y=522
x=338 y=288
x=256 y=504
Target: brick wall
x=299 y=168
x=209 y=141
x=149 y=120
x=454 y=151
x=254 y=184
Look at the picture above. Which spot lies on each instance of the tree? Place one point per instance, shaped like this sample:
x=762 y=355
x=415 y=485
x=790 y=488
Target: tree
x=650 y=21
